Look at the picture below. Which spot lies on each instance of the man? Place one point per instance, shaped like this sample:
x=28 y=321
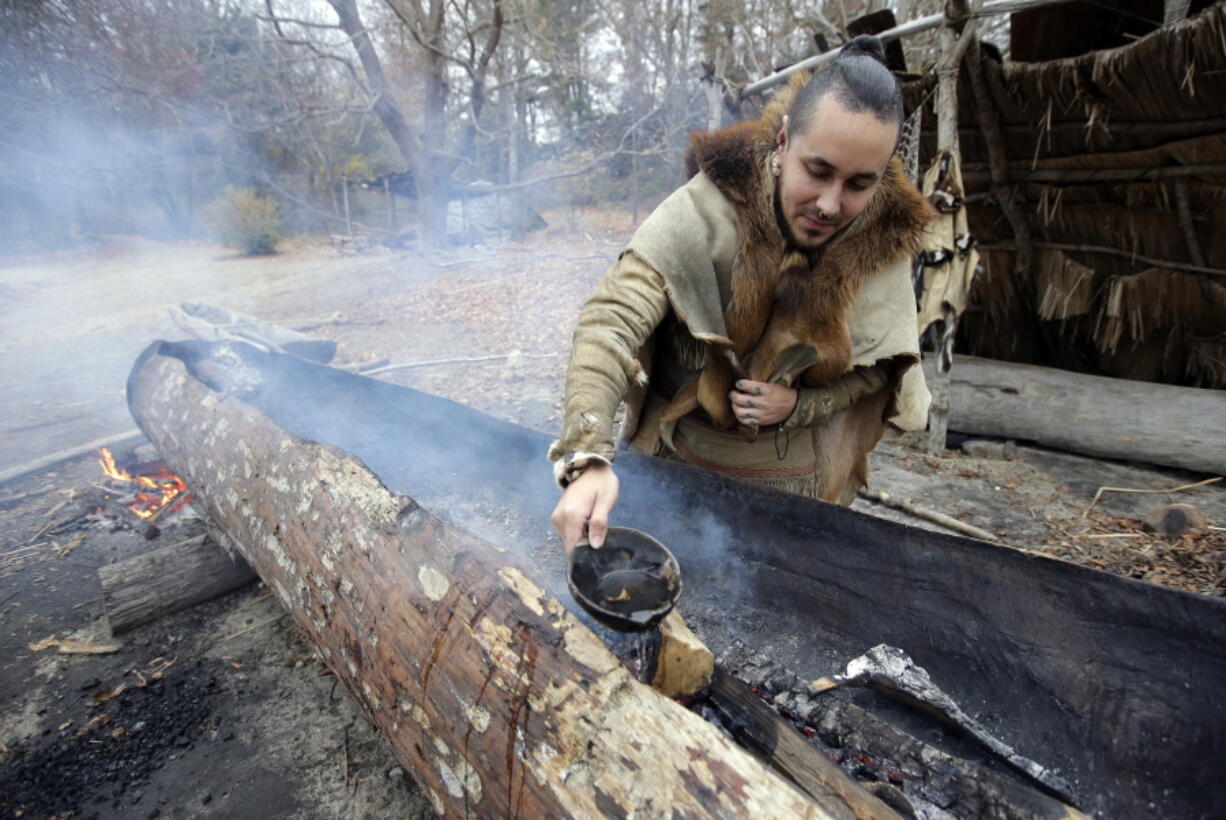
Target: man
x=761 y=322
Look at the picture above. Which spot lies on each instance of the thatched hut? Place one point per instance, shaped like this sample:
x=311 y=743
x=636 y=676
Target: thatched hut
x=1108 y=260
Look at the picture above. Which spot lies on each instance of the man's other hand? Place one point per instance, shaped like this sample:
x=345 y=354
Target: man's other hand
x=586 y=502
x=757 y=404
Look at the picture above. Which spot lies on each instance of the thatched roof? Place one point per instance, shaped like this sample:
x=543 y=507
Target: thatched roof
x=1122 y=151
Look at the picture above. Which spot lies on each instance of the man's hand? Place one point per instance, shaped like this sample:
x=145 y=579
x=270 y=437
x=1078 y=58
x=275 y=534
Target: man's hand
x=757 y=404
x=586 y=501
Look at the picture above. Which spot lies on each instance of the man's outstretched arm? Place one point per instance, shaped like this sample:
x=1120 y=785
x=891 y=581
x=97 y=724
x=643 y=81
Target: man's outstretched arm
x=621 y=314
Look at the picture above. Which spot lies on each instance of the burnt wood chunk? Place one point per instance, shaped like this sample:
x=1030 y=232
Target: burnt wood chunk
x=684 y=664
x=501 y=701
x=149 y=586
x=755 y=724
x=953 y=780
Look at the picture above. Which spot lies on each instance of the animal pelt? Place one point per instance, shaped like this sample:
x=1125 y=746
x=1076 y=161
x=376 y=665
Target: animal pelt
x=783 y=297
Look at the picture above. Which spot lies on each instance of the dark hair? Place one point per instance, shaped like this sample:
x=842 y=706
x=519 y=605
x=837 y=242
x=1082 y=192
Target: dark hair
x=860 y=81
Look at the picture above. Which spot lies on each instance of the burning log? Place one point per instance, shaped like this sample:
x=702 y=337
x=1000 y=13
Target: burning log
x=755 y=724
x=1109 y=682
x=144 y=588
x=499 y=699
x=960 y=781
x=156 y=489
x=889 y=668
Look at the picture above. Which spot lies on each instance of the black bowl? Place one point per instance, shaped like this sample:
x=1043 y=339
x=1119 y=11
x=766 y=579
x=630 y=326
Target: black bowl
x=628 y=584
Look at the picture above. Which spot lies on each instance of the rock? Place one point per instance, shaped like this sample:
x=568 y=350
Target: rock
x=998 y=450
x=1173 y=520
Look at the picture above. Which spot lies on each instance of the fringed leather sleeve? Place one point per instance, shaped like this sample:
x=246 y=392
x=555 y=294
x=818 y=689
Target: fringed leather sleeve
x=617 y=319
x=814 y=404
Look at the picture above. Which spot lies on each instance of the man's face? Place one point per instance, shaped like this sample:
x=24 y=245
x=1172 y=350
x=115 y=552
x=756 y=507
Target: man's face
x=830 y=167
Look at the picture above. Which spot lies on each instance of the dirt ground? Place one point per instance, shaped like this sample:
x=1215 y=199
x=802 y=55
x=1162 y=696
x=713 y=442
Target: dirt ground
x=226 y=711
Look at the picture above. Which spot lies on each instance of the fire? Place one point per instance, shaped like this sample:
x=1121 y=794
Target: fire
x=156 y=489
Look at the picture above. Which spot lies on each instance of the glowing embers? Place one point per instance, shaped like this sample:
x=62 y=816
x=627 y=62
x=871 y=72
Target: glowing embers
x=156 y=487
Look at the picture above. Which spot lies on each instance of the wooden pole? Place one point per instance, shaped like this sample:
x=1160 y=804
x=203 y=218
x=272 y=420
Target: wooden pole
x=391 y=208
x=1145 y=260
x=977 y=173
x=931 y=21
x=947 y=144
x=1184 y=207
x=345 y=199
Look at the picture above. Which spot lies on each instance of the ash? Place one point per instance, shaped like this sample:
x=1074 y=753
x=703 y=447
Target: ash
x=110 y=751
x=939 y=776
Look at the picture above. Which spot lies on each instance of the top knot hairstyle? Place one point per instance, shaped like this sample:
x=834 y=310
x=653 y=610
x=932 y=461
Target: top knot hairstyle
x=860 y=81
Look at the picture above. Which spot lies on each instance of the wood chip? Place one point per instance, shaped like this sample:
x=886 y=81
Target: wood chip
x=67 y=647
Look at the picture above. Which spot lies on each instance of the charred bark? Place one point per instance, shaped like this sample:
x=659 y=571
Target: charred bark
x=501 y=701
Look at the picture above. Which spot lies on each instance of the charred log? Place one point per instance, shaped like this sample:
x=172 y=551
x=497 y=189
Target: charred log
x=1109 y=681
x=878 y=751
x=501 y=701
x=754 y=723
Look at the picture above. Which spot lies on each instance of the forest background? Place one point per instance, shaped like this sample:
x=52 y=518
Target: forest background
x=154 y=117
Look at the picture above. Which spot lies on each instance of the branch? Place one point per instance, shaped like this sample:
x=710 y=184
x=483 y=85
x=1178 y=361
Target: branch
x=1185 y=221
x=480 y=190
x=416 y=34
x=946 y=521
x=277 y=19
x=492 y=42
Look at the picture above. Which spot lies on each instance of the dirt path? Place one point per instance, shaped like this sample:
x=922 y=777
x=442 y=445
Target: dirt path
x=71 y=325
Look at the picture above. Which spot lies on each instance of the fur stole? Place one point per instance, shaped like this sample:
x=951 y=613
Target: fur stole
x=787 y=317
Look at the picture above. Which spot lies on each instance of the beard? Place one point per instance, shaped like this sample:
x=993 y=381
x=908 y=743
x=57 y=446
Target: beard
x=784 y=227
x=810 y=245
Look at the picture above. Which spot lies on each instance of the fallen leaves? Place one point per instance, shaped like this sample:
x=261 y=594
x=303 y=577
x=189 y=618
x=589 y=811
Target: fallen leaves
x=1195 y=562
x=96 y=722
x=61 y=550
x=103 y=695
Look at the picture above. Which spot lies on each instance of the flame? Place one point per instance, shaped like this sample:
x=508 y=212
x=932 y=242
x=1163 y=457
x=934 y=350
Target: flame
x=159 y=489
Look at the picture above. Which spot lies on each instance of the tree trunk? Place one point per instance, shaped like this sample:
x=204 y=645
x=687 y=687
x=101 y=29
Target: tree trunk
x=1094 y=415
x=417 y=149
x=434 y=166
x=501 y=701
